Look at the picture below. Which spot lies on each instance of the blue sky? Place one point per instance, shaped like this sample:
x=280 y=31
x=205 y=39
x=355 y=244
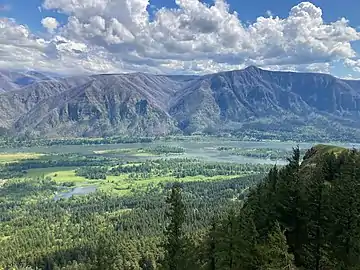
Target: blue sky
x=26 y=11
x=156 y=41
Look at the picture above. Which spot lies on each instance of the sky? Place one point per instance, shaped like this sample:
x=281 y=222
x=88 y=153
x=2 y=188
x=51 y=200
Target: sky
x=180 y=36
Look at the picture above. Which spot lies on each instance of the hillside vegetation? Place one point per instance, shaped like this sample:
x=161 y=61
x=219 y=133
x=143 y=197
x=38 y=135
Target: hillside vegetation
x=247 y=103
x=297 y=217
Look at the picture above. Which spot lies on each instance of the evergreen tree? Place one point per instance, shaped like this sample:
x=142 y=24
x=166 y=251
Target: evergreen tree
x=210 y=247
x=146 y=264
x=174 y=243
x=246 y=240
x=225 y=250
x=318 y=211
x=193 y=250
x=263 y=202
x=345 y=231
x=274 y=253
x=291 y=206
x=106 y=252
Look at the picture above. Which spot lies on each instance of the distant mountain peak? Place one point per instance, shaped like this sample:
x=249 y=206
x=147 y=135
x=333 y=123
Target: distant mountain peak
x=140 y=103
x=253 y=68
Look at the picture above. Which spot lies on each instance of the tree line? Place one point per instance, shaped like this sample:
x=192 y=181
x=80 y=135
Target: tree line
x=305 y=215
x=300 y=217
x=38 y=232
x=29 y=141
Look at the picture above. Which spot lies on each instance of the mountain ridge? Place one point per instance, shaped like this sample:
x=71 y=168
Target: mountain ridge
x=238 y=101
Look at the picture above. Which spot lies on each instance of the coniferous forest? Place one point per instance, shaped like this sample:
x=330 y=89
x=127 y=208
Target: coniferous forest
x=304 y=215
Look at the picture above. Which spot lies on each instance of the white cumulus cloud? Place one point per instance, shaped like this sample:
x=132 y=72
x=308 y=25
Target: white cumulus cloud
x=120 y=35
x=354 y=64
x=50 y=24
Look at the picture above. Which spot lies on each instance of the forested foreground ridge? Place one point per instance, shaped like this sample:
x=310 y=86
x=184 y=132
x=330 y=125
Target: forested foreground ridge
x=305 y=215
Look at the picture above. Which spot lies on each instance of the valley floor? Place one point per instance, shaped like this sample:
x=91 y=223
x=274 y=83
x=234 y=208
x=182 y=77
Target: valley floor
x=51 y=195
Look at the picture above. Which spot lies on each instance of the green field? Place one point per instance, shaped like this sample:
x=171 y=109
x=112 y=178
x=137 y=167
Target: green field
x=50 y=172
x=61 y=164
x=15 y=157
x=121 y=184
x=323 y=148
x=124 y=187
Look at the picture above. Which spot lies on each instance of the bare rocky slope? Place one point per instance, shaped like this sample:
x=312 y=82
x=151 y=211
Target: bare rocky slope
x=144 y=104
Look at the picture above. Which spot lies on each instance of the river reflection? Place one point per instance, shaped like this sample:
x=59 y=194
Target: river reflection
x=75 y=191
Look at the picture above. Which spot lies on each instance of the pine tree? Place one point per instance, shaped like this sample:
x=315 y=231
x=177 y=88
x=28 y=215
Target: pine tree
x=345 y=219
x=174 y=243
x=225 y=250
x=235 y=242
x=274 y=253
x=294 y=160
x=210 y=246
x=263 y=203
x=318 y=212
x=192 y=252
x=146 y=264
x=291 y=206
x=106 y=252
x=246 y=239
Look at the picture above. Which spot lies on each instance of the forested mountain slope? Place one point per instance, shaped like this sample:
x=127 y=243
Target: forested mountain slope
x=143 y=104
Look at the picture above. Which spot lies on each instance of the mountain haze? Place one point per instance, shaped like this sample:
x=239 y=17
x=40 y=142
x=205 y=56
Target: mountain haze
x=143 y=104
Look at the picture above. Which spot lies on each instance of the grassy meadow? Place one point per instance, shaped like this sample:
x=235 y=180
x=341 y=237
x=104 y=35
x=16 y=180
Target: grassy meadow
x=121 y=184
x=61 y=165
x=16 y=157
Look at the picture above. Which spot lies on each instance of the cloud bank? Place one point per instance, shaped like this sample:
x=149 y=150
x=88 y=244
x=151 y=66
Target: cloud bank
x=121 y=36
